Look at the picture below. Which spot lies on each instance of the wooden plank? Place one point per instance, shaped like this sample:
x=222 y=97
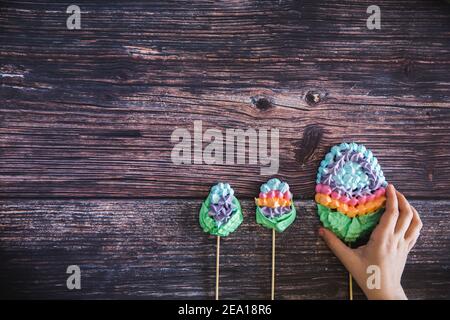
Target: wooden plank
x=155 y=249
x=89 y=113
x=88 y=152
x=129 y=49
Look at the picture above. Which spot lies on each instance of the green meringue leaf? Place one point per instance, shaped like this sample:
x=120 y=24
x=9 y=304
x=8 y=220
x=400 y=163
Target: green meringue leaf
x=278 y=223
x=346 y=228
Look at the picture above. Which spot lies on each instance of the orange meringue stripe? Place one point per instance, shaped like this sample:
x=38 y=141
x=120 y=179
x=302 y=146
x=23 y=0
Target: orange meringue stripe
x=272 y=202
x=350 y=211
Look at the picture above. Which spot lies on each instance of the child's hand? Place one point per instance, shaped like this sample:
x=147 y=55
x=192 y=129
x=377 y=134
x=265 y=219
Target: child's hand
x=387 y=248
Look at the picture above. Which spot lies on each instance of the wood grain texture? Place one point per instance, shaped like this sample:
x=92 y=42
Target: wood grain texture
x=156 y=249
x=90 y=112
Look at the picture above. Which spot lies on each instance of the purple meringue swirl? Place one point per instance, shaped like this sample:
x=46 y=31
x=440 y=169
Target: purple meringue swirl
x=275 y=212
x=223 y=210
x=333 y=168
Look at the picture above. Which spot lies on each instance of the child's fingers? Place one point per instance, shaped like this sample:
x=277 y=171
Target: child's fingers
x=389 y=218
x=405 y=216
x=412 y=243
x=413 y=231
x=344 y=253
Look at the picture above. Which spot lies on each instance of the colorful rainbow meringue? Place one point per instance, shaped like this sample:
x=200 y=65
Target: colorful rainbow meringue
x=350 y=191
x=274 y=206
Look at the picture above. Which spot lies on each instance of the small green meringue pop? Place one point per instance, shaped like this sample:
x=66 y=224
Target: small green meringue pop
x=221 y=212
x=275 y=210
x=274 y=207
x=220 y=215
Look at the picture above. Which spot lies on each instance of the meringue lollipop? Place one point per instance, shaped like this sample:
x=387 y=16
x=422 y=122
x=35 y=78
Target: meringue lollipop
x=275 y=210
x=350 y=192
x=220 y=215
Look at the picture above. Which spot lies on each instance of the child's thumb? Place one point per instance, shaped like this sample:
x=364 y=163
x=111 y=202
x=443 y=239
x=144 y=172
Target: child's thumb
x=344 y=253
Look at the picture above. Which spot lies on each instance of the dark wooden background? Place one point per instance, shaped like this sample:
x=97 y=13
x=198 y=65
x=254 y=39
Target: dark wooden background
x=86 y=117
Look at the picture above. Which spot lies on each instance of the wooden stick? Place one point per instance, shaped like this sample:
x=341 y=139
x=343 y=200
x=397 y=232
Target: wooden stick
x=350 y=281
x=350 y=286
x=217 y=266
x=273 y=265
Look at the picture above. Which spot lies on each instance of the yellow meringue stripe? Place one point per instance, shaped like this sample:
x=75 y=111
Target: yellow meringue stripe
x=272 y=202
x=350 y=211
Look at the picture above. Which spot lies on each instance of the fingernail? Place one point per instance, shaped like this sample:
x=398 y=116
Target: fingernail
x=321 y=232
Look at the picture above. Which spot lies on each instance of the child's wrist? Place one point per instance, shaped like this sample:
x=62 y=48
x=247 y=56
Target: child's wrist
x=391 y=294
